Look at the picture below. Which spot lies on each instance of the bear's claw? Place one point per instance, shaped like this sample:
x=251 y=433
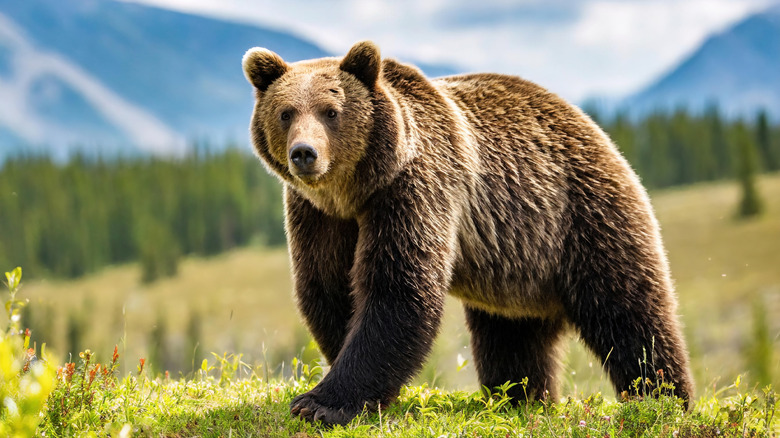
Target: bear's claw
x=307 y=407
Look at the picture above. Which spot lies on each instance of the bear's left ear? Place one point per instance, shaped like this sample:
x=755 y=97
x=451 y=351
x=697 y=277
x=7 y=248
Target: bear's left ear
x=262 y=66
x=364 y=62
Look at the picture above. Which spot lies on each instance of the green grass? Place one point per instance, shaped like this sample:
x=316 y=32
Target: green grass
x=217 y=404
x=227 y=397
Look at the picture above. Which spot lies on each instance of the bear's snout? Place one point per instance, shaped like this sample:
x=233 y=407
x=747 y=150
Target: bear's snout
x=303 y=158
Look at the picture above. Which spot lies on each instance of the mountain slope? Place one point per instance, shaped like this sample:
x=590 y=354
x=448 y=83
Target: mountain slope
x=738 y=68
x=183 y=69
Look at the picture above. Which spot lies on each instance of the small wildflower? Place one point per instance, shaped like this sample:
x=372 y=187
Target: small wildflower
x=583 y=423
x=167 y=375
x=29 y=359
x=93 y=372
x=141 y=366
x=70 y=368
x=115 y=357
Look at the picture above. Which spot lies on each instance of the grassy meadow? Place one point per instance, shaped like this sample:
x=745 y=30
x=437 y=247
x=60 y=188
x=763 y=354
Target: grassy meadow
x=240 y=302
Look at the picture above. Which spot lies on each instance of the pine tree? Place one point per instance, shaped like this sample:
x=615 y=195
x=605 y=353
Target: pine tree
x=159 y=251
x=769 y=156
x=720 y=145
x=747 y=167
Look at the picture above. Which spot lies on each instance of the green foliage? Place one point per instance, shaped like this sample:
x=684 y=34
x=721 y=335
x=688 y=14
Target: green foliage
x=83 y=391
x=159 y=251
x=769 y=148
x=25 y=380
x=682 y=148
x=747 y=168
x=87 y=213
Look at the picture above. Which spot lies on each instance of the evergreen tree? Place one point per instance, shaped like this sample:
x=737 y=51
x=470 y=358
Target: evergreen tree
x=623 y=133
x=159 y=251
x=770 y=157
x=747 y=168
x=721 y=150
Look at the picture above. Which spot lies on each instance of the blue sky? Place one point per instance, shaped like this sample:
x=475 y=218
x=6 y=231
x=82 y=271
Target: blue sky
x=577 y=48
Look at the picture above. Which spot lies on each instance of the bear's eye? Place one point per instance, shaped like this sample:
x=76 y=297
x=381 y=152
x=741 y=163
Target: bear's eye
x=285 y=116
x=332 y=114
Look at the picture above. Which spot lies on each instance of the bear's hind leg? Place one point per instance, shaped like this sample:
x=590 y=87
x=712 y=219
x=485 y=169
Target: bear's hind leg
x=507 y=349
x=634 y=332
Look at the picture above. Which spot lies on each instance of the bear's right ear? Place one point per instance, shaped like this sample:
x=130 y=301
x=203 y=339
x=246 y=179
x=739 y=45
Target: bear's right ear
x=262 y=66
x=364 y=62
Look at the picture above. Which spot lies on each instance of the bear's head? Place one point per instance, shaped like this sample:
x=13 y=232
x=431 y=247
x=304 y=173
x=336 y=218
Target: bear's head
x=313 y=119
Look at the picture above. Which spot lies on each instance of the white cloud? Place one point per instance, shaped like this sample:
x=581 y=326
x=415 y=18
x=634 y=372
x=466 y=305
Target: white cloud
x=642 y=39
x=607 y=47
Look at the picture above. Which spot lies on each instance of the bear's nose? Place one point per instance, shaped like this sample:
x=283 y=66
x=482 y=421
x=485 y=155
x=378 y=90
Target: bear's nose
x=303 y=156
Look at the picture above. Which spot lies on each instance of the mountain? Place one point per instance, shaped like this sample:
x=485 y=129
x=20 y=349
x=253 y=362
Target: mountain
x=739 y=69
x=122 y=77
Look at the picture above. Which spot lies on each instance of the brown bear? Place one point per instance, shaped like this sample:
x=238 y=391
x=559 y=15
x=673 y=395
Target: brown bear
x=399 y=189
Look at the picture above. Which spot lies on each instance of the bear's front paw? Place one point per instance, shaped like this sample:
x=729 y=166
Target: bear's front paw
x=310 y=406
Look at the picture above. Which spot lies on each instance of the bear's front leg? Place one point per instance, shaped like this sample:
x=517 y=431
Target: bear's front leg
x=401 y=273
x=322 y=251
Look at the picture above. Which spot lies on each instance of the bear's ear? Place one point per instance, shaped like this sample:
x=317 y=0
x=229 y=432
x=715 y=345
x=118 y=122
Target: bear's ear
x=262 y=66
x=364 y=62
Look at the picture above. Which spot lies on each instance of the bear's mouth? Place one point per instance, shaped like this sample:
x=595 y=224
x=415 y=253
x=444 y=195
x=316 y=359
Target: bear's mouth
x=308 y=178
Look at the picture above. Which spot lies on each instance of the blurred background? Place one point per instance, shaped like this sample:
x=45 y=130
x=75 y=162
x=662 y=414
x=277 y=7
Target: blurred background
x=130 y=196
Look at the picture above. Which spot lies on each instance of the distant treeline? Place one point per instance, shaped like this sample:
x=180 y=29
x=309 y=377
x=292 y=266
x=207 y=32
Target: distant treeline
x=70 y=219
x=681 y=148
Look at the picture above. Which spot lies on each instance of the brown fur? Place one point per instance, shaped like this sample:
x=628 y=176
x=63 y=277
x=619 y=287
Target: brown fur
x=484 y=186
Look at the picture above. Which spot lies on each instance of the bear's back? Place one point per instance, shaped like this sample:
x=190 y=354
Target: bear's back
x=500 y=103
